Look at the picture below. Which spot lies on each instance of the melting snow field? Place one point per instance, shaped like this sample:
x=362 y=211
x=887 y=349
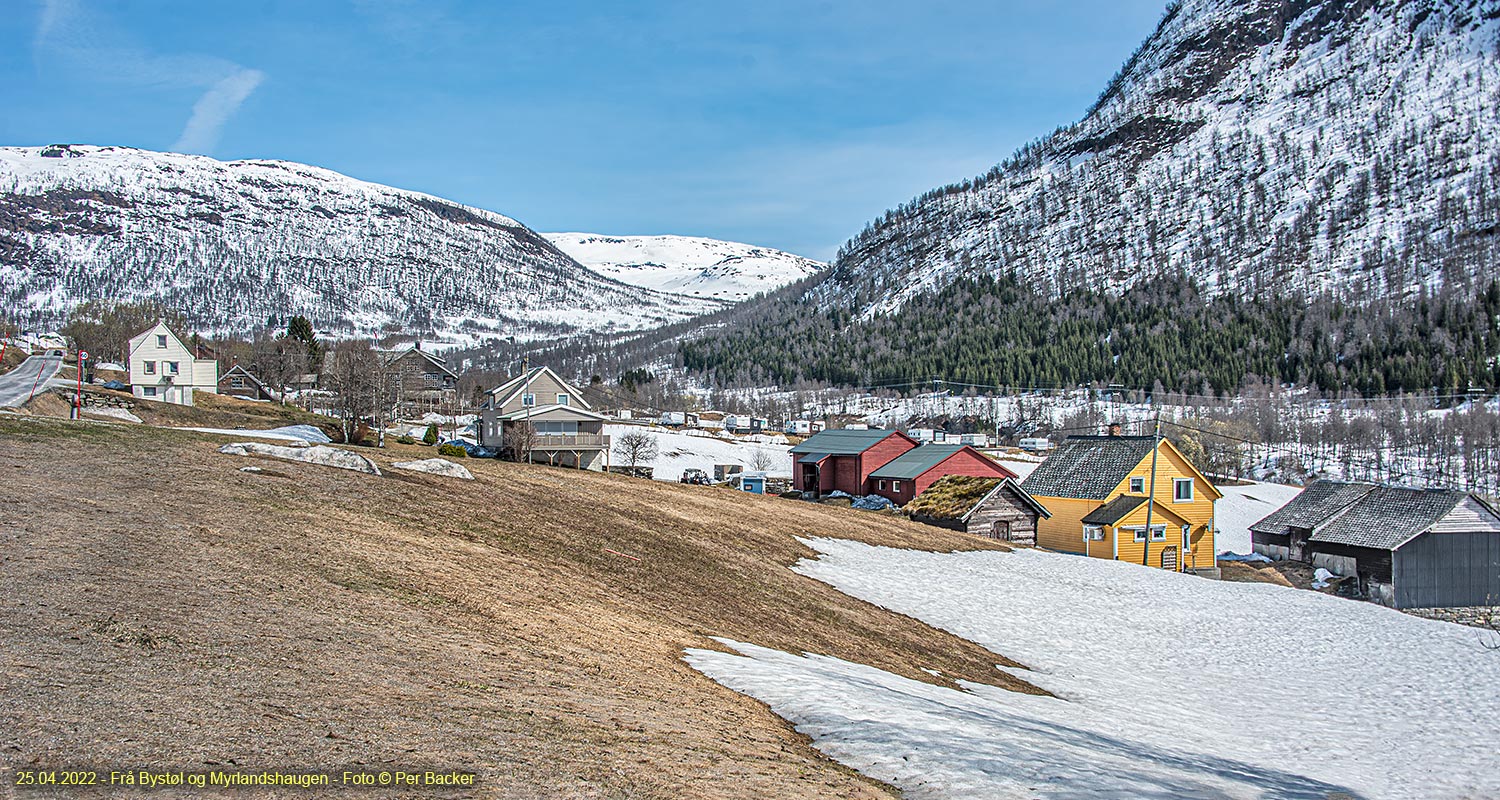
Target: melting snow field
x=1167 y=686
x=1243 y=506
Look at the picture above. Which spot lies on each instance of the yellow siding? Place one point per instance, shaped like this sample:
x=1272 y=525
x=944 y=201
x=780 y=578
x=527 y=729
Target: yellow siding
x=1064 y=531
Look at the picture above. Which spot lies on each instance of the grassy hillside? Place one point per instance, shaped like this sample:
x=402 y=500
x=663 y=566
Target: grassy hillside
x=166 y=609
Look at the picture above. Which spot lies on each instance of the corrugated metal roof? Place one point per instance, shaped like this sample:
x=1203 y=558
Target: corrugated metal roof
x=842 y=442
x=916 y=461
x=1115 y=510
x=1088 y=467
x=1388 y=515
x=812 y=458
x=1315 y=505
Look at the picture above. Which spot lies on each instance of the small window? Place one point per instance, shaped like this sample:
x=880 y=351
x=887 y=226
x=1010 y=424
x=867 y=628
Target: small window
x=895 y=486
x=171 y=367
x=528 y=399
x=236 y=382
x=880 y=486
x=1182 y=490
x=1093 y=533
x=562 y=399
x=149 y=367
x=161 y=341
x=1158 y=533
x=1137 y=485
x=432 y=380
x=148 y=391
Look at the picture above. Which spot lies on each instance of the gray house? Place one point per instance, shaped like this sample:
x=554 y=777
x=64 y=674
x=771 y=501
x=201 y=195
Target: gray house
x=1409 y=548
x=540 y=417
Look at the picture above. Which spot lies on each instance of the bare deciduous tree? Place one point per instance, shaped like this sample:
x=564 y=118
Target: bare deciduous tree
x=635 y=447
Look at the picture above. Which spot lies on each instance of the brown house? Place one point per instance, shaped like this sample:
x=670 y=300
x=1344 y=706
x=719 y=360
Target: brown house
x=995 y=508
x=239 y=382
x=423 y=380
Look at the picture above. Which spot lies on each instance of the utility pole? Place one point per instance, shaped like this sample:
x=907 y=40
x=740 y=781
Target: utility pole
x=1151 y=494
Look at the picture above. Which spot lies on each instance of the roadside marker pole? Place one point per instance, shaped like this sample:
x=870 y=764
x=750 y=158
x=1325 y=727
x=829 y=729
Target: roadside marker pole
x=37 y=382
x=83 y=356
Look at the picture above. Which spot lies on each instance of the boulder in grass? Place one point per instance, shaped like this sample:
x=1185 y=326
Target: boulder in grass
x=436 y=466
x=316 y=454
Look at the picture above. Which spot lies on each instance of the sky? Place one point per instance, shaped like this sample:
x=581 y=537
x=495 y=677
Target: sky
x=779 y=123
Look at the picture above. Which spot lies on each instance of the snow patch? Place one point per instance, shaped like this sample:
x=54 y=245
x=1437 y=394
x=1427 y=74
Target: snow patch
x=436 y=466
x=316 y=454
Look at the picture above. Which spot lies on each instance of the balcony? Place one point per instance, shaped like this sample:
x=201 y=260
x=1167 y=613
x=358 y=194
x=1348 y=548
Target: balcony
x=570 y=441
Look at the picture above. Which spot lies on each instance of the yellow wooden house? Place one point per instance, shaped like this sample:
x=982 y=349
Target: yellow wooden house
x=1097 y=490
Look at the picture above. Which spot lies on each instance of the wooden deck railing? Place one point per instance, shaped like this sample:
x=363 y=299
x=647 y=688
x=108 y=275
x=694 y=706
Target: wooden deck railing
x=570 y=441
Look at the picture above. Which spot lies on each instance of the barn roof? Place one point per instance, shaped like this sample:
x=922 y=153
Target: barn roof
x=842 y=442
x=1388 y=516
x=959 y=496
x=1313 y=506
x=1088 y=467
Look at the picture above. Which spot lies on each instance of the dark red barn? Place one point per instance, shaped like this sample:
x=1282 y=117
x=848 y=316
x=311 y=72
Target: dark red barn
x=842 y=460
x=910 y=473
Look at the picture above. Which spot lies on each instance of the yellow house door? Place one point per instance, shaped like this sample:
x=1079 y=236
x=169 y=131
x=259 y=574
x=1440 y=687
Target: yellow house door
x=1169 y=558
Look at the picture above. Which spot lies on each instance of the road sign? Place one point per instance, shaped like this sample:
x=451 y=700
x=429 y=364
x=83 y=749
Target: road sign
x=83 y=355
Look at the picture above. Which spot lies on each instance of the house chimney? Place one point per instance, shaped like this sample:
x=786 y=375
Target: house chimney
x=1114 y=429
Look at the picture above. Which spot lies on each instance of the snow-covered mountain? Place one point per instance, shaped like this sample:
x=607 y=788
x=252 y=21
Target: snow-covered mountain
x=232 y=244
x=1342 y=146
x=687 y=265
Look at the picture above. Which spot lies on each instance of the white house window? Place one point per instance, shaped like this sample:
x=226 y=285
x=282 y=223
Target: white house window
x=1158 y=533
x=149 y=391
x=161 y=341
x=562 y=399
x=881 y=485
x=431 y=380
x=1182 y=490
x=557 y=428
x=1137 y=485
x=1093 y=533
x=528 y=399
x=171 y=367
x=149 y=367
x=895 y=486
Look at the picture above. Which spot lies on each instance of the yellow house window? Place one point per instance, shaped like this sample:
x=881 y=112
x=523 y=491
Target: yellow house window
x=1137 y=485
x=1158 y=533
x=1182 y=490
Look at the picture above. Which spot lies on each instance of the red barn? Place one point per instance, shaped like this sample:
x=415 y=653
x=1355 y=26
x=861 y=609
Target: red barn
x=910 y=473
x=843 y=460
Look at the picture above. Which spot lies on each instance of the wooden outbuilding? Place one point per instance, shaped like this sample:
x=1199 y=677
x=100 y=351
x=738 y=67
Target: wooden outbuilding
x=995 y=508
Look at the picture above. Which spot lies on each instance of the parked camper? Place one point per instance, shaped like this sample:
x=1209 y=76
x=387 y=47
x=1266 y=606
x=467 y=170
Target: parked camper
x=675 y=419
x=753 y=482
x=1039 y=444
x=798 y=427
x=975 y=439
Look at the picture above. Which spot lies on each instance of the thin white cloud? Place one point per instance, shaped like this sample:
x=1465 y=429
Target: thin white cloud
x=214 y=109
x=82 y=43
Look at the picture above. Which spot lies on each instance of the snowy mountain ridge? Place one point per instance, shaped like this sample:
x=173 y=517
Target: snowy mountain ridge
x=687 y=265
x=1318 y=146
x=232 y=244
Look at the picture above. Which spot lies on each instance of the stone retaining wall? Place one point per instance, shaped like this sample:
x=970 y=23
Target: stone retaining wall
x=1476 y=616
x=96 y=399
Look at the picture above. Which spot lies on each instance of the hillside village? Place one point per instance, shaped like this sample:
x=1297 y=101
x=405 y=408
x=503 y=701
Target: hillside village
x=1146 y=445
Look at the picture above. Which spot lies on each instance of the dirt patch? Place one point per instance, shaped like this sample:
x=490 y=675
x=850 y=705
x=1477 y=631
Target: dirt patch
x=1281 y=573
x=166 y=609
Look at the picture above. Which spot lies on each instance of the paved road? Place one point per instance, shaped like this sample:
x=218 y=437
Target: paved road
x=15 y=386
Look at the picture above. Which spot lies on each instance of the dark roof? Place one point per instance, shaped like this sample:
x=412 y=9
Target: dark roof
x=1388 y=516
x=1315 y=505
x=437 y=361
x=1088 y=467
x=1115 y=510
x=916 y=461
x=842 y=442
x=812 y=458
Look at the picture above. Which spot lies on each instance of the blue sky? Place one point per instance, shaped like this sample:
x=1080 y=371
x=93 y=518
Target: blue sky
x=788 y=124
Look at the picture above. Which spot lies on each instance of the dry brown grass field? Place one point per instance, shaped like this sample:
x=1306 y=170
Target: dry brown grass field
x=165 y=609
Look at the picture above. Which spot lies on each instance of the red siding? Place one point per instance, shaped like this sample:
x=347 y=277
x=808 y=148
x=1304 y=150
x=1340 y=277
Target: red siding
x=882 y=453
x=967 y=461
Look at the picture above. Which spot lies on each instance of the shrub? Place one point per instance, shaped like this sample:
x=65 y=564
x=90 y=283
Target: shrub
x=453 y=451
x=431 y=436
x=405 y=439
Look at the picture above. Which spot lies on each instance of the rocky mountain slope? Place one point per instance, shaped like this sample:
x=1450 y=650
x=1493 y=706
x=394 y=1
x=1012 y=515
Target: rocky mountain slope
x=687 y=265
x=231 y=244
x=1346 y=147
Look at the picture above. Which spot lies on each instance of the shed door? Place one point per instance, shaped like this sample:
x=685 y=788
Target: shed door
x=999 y=529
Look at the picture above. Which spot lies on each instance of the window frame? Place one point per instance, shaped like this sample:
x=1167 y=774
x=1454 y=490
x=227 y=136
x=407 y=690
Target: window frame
x=1137 y=533
x=1177 y=495
x=563 y=399
x=148 y=391
x=1137 y=485
x=161 y=341
x=1088 y=529
x=528 y=399
x=896 y=486
x=173 y=367
x=148 y=367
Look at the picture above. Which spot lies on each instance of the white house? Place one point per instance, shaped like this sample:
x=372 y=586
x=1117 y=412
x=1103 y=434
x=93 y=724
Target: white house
x=162 y=368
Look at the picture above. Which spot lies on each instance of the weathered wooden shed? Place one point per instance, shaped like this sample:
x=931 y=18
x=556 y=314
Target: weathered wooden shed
x=1409 y=548
x=995 y=508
